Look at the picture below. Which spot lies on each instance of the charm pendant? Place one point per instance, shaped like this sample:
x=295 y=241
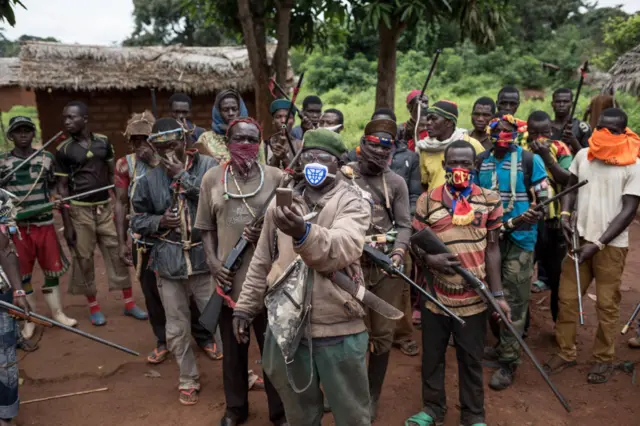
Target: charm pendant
x=89 y=154
x=225 y=196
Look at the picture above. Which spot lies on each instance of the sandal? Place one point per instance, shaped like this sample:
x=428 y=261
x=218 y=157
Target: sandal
x=557 y=364
x=408 y=347
x=189 y=396
x=600 y=373
x=158 y=355
x=422 y=419
x=211 y=349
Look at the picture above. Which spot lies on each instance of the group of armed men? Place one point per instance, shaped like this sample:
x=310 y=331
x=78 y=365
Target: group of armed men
x=185 y=196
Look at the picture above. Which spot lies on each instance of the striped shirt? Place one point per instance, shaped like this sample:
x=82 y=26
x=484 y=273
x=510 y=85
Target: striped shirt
x=469 y=242
x=31 y=183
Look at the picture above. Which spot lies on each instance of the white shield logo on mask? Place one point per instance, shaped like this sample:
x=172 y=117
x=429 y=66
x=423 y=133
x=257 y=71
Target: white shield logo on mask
x=315 y=173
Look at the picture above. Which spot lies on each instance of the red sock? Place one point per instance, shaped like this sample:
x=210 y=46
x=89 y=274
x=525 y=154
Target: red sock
x=93 y=304
x=129 y=303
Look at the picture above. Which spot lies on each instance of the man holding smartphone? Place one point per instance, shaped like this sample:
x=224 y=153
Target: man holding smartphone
x=225 y=214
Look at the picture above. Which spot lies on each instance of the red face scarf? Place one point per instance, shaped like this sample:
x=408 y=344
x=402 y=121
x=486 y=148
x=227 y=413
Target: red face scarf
x=243 y=156
x=616 y=150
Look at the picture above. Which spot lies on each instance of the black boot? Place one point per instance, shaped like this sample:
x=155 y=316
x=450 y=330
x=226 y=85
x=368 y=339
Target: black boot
x=377 y=370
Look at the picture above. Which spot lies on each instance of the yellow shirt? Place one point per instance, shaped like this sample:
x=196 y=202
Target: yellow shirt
x=431 y=170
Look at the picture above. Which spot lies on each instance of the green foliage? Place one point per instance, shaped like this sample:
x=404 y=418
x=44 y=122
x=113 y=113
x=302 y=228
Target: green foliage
x=165 y=22
x=620 y=35
x=10 y=48
x=7 y=12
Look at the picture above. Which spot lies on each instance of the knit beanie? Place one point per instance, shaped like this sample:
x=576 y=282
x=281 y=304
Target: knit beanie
x=411 y=96
x=325 y=140
x=446 y=109
x=279 y=104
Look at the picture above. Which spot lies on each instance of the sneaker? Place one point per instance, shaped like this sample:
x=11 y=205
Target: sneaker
x=136 y=313
x=502 y=378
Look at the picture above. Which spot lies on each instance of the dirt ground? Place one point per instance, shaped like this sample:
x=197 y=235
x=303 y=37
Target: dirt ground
x=67 y=363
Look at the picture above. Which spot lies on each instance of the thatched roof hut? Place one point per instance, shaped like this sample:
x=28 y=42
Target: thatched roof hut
x=625 y=73
x=195 y=70
x=116 y=81
x=10 y=91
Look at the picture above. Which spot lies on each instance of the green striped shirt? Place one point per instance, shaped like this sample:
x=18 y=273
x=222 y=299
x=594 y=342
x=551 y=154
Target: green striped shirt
x=30 y=183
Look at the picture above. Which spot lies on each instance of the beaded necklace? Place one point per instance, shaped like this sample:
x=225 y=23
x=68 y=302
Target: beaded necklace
x=240 y=195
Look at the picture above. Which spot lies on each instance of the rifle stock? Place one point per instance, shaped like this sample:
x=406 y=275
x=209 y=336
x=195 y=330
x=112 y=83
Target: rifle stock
x=517 y=221
x=48 y=322
x=427 y=241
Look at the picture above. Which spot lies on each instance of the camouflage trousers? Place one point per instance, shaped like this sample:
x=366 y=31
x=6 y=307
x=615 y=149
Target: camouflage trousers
x=517 y=269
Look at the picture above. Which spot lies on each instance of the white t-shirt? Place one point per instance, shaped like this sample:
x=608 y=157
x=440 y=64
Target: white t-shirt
x=600 y=201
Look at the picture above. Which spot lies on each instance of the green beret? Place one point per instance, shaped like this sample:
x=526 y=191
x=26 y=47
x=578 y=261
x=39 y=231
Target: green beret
x=325 y=140
x=279 y=104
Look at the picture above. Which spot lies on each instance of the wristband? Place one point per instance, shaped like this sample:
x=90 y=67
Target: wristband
x=298 y=243
x=600 y=245
x=563 y=213
x=19 y=293
x=498 y=293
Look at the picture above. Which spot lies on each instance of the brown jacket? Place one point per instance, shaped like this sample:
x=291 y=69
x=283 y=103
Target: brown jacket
x=334 y=243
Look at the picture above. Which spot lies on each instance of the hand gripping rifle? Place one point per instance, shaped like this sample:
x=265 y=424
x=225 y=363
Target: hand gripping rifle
x=514 y=222
x=386 y=264
x=6 y=178
x=48 y=322
x=630 y=322
x=47 y=207
x=211 y=313
x=427 y=241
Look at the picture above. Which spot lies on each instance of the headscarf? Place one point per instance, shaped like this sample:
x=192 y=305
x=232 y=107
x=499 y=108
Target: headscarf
x=500 y=137
x=616 y=150
x=243 y=155
x=218 y=124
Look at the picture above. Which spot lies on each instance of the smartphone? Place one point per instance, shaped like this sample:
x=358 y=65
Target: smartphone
x=284 y=197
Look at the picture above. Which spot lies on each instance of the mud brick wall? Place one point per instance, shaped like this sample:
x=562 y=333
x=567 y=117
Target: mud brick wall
x=15 y=95
x=110 y=110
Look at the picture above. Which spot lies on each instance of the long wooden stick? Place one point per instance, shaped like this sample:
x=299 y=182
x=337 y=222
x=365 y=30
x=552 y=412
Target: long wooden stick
x=63 y=396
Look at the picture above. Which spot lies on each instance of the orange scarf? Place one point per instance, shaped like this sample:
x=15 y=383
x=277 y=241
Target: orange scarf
x=616 y=150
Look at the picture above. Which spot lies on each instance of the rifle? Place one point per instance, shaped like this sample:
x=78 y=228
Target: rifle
x=37 y=210
x=427 y=241
x=384 y=262
x=48 y=322
x=514 y=222
x=211 y=313
x=433 y=67
x=583 y=74
x=7 y=177
x=630 y=322
x=575 y=242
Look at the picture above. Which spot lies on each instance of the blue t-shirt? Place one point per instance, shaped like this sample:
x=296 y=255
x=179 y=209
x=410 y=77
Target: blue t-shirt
x=297 y=132
x=525 y=236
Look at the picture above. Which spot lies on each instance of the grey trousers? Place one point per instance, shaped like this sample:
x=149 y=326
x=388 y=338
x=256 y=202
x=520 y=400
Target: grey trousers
x=340 y=368
x=175 y=299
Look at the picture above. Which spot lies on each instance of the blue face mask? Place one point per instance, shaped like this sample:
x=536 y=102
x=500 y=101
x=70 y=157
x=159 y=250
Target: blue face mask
x=316 y=173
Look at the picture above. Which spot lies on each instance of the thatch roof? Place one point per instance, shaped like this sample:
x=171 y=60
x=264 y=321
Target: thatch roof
x=174 y=68
x=625 y=73
x=9 y=72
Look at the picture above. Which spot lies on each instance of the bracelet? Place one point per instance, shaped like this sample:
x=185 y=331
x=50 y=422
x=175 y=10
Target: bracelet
x=600 y=245
x=298 y=243
x=19 y=293
x=563 y=213
x=498 y=293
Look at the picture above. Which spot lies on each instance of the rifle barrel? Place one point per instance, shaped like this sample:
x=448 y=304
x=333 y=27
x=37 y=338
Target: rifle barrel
x=5 y=179
x=9 y=306
x=583 y=70
x=84 y=194
x=433 y=67
x=631 y=319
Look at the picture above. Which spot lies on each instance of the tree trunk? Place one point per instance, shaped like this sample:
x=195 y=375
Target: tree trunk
x=281 y=56
x=386 y=88
x=253 y=31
